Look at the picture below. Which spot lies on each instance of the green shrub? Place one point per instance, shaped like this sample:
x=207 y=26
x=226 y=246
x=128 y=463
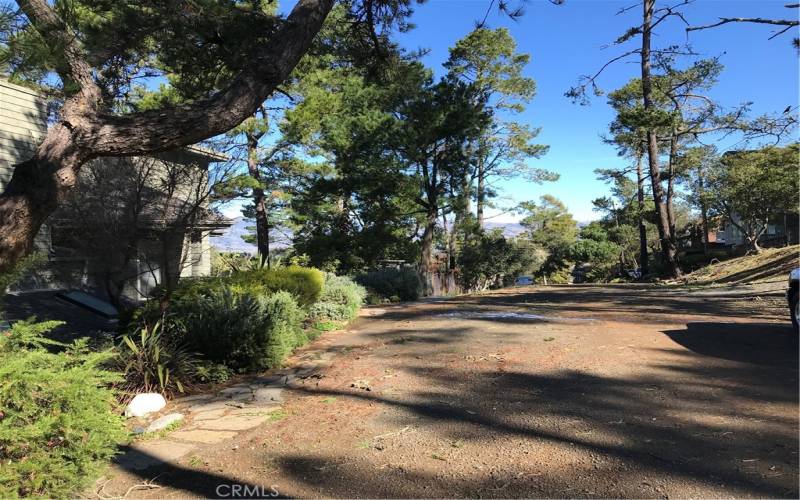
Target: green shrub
x=239 y=328
x=284 y=331
x=249 y=320
x=404 y=283
x=153 y=360
x=489 y=260
x=327 y=326
x=341 y=299
x=304 y=283
x=58 y=427
x=213 y=373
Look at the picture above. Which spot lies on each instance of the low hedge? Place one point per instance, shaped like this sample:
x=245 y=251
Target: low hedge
x=58 y=427
x=341 y=299
x=392 y=283
x=304 y=283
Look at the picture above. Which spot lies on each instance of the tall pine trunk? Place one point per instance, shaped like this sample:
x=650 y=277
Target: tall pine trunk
x=427 y=264
x=36 y=188
x=259 y=200
x=640 y=215
x=481 y=190
x=703 y=208
x=673 y=153
x=668 y=248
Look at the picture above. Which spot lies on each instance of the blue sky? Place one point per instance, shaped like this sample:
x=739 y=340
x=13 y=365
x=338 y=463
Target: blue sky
x=567 y=41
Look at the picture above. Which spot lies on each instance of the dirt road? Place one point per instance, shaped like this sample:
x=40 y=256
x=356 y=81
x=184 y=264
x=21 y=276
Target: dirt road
x=580 y=391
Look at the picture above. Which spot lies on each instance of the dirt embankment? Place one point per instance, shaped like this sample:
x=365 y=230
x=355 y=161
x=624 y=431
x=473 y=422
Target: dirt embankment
x=772 y=265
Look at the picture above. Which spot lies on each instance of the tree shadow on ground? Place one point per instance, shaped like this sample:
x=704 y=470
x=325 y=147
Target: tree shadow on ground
x=757 y=343
x=204 y=484
x=720 y=416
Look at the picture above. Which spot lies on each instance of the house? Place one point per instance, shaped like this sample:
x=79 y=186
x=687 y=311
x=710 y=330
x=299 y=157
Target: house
x=781 y=229
x=108 y=238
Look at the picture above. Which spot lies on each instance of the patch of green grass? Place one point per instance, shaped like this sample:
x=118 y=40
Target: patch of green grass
x=329 y=400
x=364 y=444
x=195 y=461
x=549 y=339
x=458 y=443
x=327 y=326
x=436 y=456
x=277 y=415
x=159 y=434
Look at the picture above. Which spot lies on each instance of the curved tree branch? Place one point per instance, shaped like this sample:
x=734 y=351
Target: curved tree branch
x=54 y=30
x=168 y=128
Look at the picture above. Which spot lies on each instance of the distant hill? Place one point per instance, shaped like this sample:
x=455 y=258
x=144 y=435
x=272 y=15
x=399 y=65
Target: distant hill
x=510 y=229
x=231 y=239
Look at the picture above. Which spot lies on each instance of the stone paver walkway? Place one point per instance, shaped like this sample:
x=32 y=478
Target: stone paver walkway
x=213 y=419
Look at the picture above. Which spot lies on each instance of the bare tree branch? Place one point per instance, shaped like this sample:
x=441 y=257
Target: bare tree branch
x=757 y=20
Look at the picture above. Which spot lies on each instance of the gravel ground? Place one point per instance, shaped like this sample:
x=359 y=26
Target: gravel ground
x=574 y=391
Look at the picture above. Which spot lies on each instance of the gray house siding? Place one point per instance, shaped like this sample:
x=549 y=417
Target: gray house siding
x=23 y=123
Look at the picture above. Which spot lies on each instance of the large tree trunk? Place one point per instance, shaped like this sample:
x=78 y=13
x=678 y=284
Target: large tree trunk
x=259 y=200
x=35 y=190
x=86 y=131
x=703 y=209
x=673 y=152
x=668 y=247
x=753 y=246
x=450 y=237
x=481 y=189
x=427 y=264
x=640 y=215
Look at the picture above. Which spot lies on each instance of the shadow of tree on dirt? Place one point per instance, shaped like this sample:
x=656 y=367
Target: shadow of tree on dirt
x=721 y=413
x=757 y=343
x=200 y=483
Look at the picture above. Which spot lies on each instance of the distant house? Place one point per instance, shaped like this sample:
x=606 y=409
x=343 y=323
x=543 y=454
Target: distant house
x=166 y=249
x=781 y=230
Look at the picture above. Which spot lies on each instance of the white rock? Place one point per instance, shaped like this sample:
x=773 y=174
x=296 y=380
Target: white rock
x=164 y=422
x=142 y=404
